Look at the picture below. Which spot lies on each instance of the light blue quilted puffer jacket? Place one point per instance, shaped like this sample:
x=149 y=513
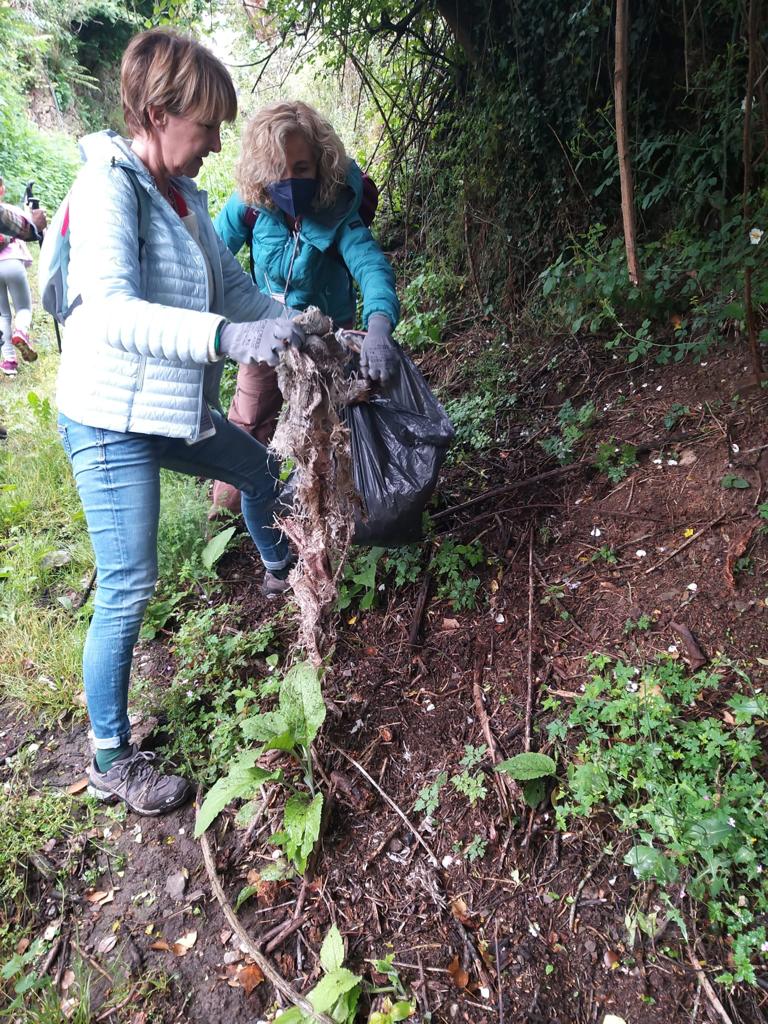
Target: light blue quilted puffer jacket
x=138 y=353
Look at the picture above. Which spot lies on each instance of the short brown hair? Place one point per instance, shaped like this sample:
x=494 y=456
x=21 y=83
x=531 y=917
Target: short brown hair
x=168 y=70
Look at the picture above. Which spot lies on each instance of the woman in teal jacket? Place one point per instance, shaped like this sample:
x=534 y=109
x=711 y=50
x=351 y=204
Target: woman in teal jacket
x=298 y=205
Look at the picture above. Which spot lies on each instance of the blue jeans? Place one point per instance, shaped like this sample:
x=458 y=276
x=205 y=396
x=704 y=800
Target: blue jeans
x=118 y=479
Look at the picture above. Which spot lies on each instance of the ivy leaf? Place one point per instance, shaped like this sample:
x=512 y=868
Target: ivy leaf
x=216 y=547
x=332 y=951
x=528 y=766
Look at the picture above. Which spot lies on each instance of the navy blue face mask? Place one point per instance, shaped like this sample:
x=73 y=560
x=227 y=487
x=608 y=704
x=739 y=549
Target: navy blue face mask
x=293 y=195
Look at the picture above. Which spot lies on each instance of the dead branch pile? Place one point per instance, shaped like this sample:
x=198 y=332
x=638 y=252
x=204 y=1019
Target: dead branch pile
x=310 y=432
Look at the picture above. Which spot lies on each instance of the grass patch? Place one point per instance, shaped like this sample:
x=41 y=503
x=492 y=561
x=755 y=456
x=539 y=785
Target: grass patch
x=45 y=554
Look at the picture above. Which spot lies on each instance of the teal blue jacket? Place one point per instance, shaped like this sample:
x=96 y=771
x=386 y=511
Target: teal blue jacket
x=330 y=242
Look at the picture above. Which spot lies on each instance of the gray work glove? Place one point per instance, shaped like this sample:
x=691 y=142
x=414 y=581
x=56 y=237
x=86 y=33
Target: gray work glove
x=261 y=341
x=379 y=359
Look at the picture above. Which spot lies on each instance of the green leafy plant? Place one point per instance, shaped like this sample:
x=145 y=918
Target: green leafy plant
x=731 y=481
x=685 y=786
x=451 y=565
x=338 y=991
x=476 y=848
x=428 y=799
x=403 y=1007
x=573 y=424
x=291 y=727
x=470 y=782
x=675 y=414
x=615 y=460
x=533 y=770
x=642 y=624
x=605 y=553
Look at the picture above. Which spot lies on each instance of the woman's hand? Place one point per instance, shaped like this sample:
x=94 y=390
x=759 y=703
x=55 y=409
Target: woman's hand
x=378 y=356
x=262 y=341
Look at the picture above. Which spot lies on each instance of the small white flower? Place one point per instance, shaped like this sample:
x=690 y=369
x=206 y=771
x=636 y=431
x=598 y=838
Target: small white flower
x=756 y=236
x=657 y=462
x=671 y=462
x=430 y=706
x=735 y=449
x=499 y=619
x=764 y=948
x=693 y=587
x=732 y=822
x=702 y=364
x=672 y=649
x=759 y=869
x=641 y=552
x=659 y=387
x=447 y=860
x=595 y=532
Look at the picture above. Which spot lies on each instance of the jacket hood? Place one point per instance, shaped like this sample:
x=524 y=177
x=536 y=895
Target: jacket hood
x=104 y=147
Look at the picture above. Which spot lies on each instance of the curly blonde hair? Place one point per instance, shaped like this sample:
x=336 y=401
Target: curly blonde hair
x=262 y=155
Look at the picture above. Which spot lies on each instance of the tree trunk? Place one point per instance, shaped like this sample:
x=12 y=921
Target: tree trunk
x=625 y=167
x=749 y=310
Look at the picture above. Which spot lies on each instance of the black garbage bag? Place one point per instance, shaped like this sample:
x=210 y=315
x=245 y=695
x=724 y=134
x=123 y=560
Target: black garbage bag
x=399 y=440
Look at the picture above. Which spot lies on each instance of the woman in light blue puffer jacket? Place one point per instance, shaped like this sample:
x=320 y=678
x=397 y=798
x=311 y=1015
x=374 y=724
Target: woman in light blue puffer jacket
x=141 y=363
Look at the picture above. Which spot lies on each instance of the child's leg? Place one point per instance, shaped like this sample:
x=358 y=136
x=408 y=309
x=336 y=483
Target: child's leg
x=7 y=351
x=14 y=274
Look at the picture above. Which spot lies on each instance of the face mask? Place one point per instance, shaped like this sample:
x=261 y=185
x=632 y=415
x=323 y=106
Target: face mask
x=293 y=195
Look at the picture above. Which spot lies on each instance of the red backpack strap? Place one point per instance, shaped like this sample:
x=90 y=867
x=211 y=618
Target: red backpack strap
x=250 y=216
x=369 y=200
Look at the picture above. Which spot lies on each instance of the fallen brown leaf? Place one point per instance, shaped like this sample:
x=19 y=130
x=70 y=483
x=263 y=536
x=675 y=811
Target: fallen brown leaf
x=67 y=979
x=160 y=944
x=101 y=896
x=736 y=549
x=458 y=974
x=451 y=624
x=460 y=910
x=107 y=944
x=184 y=943
x=249 y=977
x=77 y=787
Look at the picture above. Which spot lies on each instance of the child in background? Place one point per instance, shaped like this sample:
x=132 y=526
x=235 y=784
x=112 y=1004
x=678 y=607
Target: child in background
x=14 y=288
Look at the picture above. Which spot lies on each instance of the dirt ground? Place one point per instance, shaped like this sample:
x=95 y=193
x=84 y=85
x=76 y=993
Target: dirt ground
x=534 y=930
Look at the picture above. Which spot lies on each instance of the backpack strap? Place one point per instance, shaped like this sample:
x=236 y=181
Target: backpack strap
x=143 y=201
x=249 y=217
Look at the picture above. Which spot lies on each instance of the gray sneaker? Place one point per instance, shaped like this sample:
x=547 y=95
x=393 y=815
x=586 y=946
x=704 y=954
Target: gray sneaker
x=136 y=781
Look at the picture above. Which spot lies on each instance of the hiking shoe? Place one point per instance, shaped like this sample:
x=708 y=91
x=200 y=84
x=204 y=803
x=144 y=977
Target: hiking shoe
x=134 y=780
x=9 y=367
x=21 y=340
x=272 y=587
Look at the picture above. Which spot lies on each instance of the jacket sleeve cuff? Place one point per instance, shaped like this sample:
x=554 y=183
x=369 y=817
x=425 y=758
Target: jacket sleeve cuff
x=214 y=355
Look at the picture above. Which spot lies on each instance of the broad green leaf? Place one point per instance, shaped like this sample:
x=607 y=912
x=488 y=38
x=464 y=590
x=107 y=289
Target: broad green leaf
x=265 y=726
x=648 y=863
x=240 y=781
x=328 y=990
x=216 y=547
x=301 y=820
x=277 y=871
x=534 y=792
x=745 y=708
x=332 y=951
x=301 y=702
x=292 y=1016
x=285 y=741
x=245 y=894
x=711 y=830
x=402 y=1010
x=528 y=766
x=589 y=783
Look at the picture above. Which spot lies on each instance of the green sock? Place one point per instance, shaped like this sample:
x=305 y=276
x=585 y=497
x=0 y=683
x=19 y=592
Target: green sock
x=106 y=758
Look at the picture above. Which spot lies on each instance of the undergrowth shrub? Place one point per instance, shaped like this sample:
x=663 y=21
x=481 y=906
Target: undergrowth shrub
x=681 y=769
